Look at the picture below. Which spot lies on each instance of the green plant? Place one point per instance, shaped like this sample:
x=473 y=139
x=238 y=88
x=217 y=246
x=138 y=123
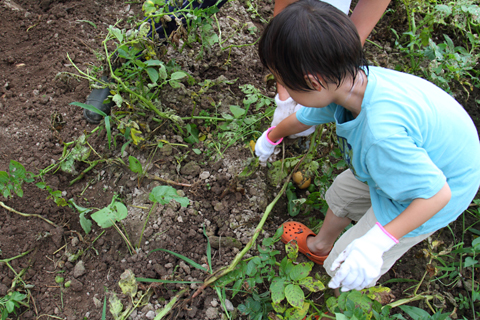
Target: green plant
x=365 y=305
x=448 y=63
x=11 y=182
x=285 y=296
x=10 y=302
x=162 y=195
x=239 y=125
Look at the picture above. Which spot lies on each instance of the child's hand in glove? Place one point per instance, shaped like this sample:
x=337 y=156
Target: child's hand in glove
x=283 y=110
x=360 y=263
x=264 y=148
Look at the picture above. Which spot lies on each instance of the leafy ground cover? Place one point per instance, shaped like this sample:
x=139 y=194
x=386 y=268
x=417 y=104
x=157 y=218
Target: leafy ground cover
x=129 y=218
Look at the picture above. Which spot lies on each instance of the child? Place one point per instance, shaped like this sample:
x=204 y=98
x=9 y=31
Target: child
x=413 y=152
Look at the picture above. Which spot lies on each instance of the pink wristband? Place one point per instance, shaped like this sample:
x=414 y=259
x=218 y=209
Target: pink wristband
x=271 y=142
x=386 y=232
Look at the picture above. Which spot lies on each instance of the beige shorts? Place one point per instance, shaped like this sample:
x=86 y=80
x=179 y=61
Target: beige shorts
x=349 y=197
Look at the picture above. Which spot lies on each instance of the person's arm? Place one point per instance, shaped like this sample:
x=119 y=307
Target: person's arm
x=418 y=212
x=361 y=261
x=288 y=126
x=265 y=145
x=280 y=5
x=366 y=15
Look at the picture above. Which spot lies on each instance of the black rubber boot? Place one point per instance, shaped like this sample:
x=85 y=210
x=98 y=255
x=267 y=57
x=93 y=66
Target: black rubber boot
x=96 y=99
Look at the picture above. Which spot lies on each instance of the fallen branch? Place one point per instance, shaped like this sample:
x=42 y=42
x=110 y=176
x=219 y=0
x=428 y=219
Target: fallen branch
x=27 y=214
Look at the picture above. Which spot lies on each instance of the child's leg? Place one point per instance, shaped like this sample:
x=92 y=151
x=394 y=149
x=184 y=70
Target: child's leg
x=348 y=199
x=331 y=229
x=363 y=225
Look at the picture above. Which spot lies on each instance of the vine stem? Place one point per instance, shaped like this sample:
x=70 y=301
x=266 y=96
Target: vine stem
x=153 y=177
x=225 y=270
x=27 y=214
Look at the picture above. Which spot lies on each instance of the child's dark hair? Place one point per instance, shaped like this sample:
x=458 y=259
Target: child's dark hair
x=311 y=37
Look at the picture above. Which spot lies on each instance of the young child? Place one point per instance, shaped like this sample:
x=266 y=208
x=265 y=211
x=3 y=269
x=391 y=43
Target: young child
x=413 y=152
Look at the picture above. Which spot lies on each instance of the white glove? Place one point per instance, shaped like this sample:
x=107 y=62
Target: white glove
x=362 y=261
x=264 y=147
x=285 y=109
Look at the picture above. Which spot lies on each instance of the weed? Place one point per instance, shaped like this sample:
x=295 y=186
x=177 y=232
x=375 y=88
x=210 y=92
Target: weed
x=286 y=297
x=162 y=195
x=10 y=302
x=11 y=182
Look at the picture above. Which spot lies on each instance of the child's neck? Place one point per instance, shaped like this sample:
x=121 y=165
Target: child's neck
x=350 y=93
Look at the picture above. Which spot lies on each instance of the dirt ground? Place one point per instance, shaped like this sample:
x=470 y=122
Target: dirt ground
x=36 y=119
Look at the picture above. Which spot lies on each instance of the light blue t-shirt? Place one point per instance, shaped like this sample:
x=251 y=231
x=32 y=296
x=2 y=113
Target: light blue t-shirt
x=408 y=140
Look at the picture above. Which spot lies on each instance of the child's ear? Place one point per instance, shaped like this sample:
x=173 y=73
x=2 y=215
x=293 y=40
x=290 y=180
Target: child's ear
x=314 y=82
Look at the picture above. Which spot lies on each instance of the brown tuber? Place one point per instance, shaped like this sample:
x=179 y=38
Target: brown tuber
x=301 y=180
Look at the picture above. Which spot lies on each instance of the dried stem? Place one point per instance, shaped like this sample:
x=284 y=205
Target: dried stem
x=27 y=214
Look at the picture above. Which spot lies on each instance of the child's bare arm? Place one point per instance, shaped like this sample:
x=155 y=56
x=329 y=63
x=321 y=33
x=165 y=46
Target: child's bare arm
x=288 y=126
x=366 y=15
x=418 y=212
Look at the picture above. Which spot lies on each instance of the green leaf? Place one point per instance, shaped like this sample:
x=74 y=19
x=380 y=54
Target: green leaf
x=85 y=223
x=311 y=284
x=135 y=165
x=89 y=107
x=10 y=306
x=278 y=307
x=162 y=72
x=415 y=313
x=178 y=255
x=42 y=185
x=116 y=32
x=4 y=178
x=79 y=208
x=152 y=63
x=339 y=316
x=252 y=266
x=164 y=194
x=291 y=249
x=89 y=22
x=267 y=242
x=469 y=261
x=237 y=111
x=197 y=151
x=17 y=170
x=236 y=287
x=174 y=84
x=277 y=288
x=476 y=243
x=117 y=98
x=278 y=234
x=153 y=74
x=178 y=75
x=301 y=271
x=294 y=295
x=18 y=190
x=297 y=313
x=108 y=216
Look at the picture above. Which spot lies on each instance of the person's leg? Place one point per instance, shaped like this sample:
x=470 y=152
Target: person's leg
x=348 y=199
x=332 y=226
